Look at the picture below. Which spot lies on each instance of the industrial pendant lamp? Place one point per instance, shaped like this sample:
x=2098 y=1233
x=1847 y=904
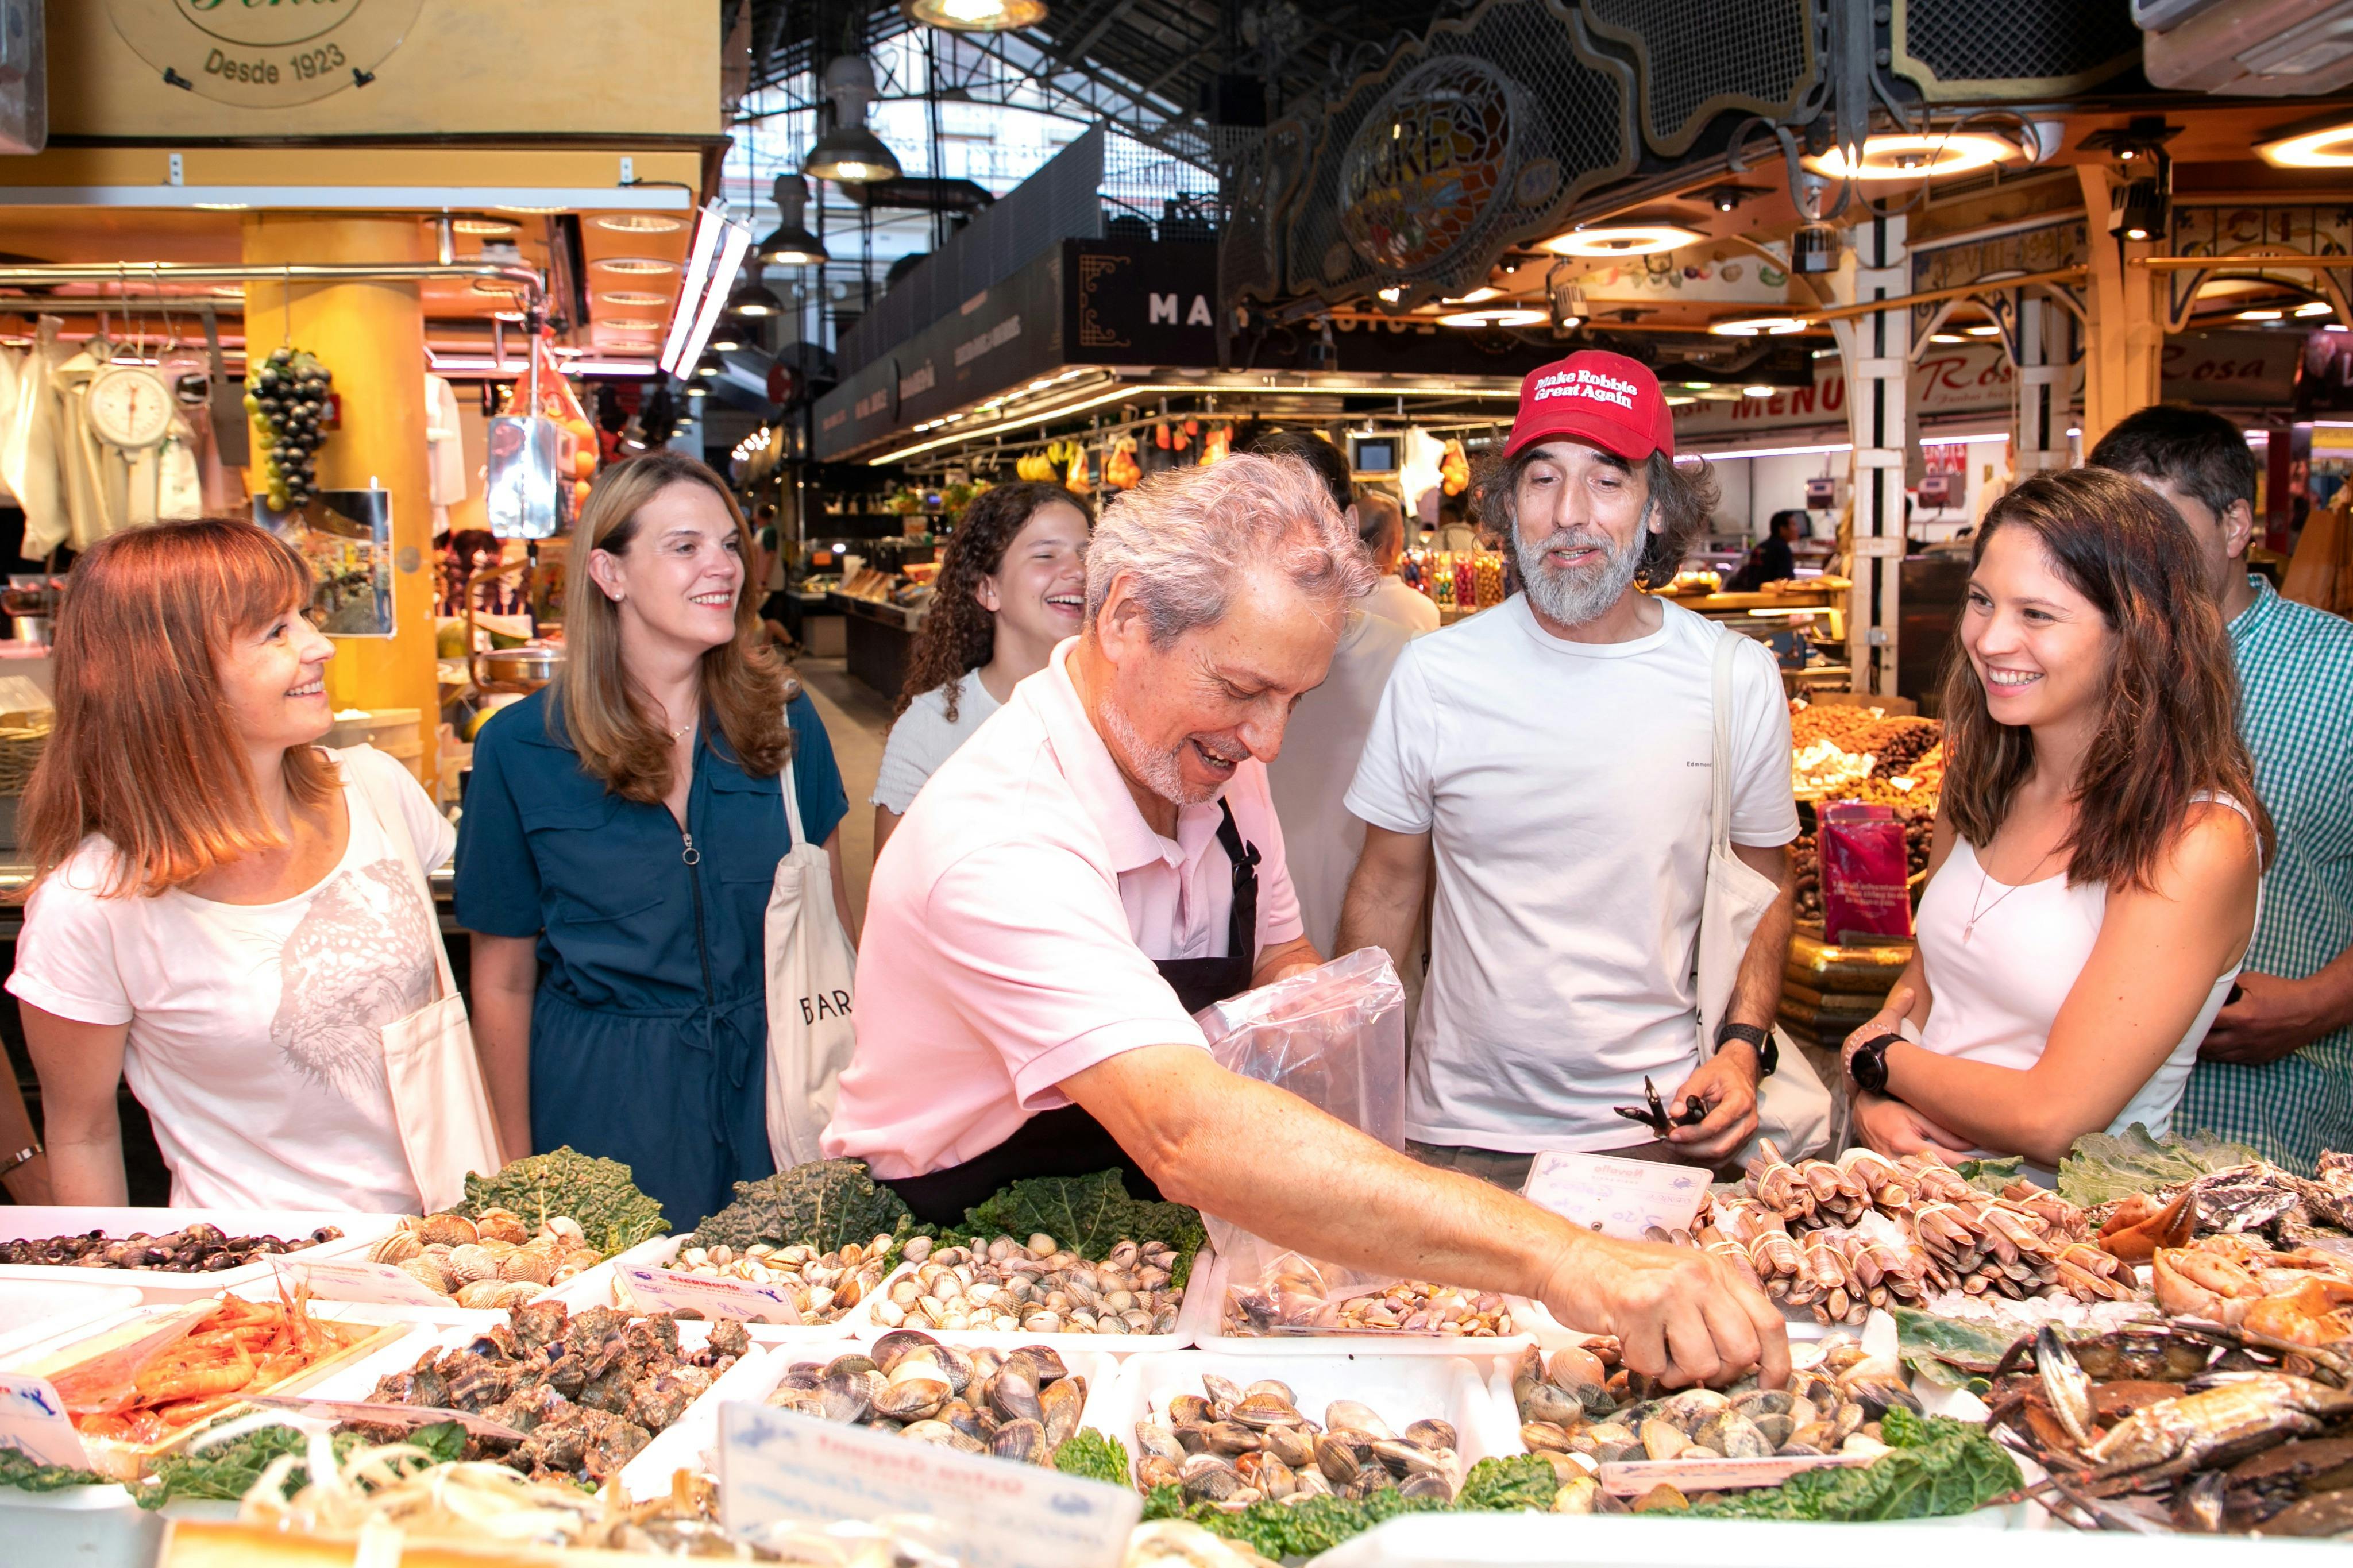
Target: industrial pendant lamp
x=975 y=15
x=850 y=153
x=755 y=299
x=790 y=244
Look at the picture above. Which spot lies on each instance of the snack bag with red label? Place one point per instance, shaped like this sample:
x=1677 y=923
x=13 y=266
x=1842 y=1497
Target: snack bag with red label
x=1864 y=872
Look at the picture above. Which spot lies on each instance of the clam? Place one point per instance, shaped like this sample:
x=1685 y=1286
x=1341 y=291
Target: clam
x=938 y=1432
x=1157 y=1439
x=1209 y=1478
x=1267 y=1474
x=800 y=1401
x=501 y=1225
x=1295 y=1446
x=1221 y=1390
x=1336 y=1458
x=1013 y=1395
x=1427 y=1484
x=1548 y=1401
x=449 y=1229
x=1024 y=1440
x=1356 y=1417
x=898 y=1342
x=1662 y=1440
x=396 y=1247
x=473 y=1261
x=1261 y=1411
x=1543 y=1437
x=914 y=1392
x=1157 y=1471
x=1187 y=1409
x=1269 y=1387
x=1432 y=1434
x=1059 y=1405
x=848 y=1393
x=1231 y=1438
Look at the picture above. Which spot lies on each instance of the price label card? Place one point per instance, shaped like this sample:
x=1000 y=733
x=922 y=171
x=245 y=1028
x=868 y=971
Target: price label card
x=1617 y=1198
x=775 y=1466
x=668 y=1291
x=356 y=1279
x=33 y=1421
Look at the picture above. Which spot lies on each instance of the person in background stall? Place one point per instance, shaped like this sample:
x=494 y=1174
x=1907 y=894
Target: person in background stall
x=1011 y=585
x=620 y=839
x=2276 y=1071
x=1772 y=560
x=231 y=923
x=2093 y=883
x=1380 y=524
x=472 y=559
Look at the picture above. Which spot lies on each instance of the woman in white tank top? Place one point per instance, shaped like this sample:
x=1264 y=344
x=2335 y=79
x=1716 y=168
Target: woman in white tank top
x=2092 y=884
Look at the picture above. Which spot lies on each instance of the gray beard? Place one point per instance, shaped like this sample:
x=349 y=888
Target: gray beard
x=1573 y=597
x=1156 y=771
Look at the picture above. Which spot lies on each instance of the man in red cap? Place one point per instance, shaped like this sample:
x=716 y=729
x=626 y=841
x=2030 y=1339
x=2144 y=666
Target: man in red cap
x=1555 y=757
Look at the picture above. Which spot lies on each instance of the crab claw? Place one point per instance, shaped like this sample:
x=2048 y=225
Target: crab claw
x=2065 y=1385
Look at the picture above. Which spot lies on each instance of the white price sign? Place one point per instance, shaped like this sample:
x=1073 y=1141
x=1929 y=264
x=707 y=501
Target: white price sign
x=356 y=1279
x=33 y=1421
x=668 y=1291
x=1617 y=1198
x=775 y=1466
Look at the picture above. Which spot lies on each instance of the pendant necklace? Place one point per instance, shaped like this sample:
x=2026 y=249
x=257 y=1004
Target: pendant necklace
x=1970 y=927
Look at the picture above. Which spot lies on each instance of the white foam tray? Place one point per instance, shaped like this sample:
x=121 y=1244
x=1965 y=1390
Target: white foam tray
x=1401 y=1390
x=27 y=1222
x=33 y=1311
x=358 y=1380
x=691 y=1442
x=41 y=1351
x=861 y=1322
x=601 y=1287
x=1204 y=1325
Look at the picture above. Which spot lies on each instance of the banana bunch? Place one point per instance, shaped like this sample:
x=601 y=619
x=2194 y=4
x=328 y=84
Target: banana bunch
x=1050 y=465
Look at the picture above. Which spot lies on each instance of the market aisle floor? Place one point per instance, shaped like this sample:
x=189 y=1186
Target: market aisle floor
x=857 y=718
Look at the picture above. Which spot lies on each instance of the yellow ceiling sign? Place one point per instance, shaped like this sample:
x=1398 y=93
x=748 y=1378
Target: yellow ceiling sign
x=263 y=54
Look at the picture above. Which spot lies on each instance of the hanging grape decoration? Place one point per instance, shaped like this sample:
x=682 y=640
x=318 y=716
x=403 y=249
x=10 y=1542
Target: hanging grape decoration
x=289 y=399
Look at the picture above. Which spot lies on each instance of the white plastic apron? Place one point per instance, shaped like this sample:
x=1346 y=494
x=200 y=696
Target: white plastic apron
x=438 y=1099
x=811 y=965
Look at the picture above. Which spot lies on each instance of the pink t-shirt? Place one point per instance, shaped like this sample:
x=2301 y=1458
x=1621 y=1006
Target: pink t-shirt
x=1012 y=927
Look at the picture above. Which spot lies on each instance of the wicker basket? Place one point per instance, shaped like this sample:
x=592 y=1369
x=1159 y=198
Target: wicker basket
x=20 y=750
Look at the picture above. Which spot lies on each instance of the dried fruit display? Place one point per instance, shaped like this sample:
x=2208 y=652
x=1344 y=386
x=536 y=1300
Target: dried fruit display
x=192 y=1249
x=1021 y=1404
x=491 y=1261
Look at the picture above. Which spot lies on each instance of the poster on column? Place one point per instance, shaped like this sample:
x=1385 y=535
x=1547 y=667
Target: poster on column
x=346 y=537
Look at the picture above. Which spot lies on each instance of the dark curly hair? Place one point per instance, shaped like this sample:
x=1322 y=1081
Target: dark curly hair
x=1683 y=494
x=957 y=635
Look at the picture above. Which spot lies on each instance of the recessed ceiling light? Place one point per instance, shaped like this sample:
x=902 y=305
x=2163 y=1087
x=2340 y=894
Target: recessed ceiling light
x=482 y=226
x=2315 y=307
x=1758 y=327
x=1476 y=296
x=1758 y=391
x=638 y=222
x=2326 y=149
x=1946 y=338
x=1620 y=239
x=634 y=301
x=636 y=265
x=1914 y=157
x=1983 y=329
x=508 y=316
x=1507 y=318
x=222 y=206
x=535 y=212
x=2261 y=315
x=629 y=324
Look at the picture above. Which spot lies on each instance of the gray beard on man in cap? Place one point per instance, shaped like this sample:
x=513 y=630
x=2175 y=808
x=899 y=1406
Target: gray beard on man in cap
x=1574 y=596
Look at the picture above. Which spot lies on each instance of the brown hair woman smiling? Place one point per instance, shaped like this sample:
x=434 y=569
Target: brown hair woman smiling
x=620 y=839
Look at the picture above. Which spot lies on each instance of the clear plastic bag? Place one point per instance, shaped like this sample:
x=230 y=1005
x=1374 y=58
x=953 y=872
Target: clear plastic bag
x=1335 y=1037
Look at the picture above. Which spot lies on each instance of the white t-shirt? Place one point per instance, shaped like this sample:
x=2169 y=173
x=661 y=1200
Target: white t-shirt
x=923 y=737
x=1321 y=747
x=1565 y=786
x=254 y=1037
x=1408 y=608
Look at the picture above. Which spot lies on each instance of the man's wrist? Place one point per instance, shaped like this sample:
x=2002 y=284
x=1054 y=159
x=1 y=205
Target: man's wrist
x=1757 y=1037
x=1743 y=1056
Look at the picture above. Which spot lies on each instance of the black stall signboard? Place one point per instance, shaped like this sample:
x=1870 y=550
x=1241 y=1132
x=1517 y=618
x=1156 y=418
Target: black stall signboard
x=1085 y=302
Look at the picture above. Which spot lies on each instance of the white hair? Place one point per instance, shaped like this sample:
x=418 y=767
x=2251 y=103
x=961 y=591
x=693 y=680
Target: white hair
x=1188 y=536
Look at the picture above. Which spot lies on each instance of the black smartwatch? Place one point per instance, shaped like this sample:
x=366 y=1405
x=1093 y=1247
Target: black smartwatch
x=1869 y=1067
x=1769 y=1049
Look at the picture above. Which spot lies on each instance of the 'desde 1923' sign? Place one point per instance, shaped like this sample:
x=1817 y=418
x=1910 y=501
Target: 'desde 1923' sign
x=263 y=54
x=1427 y=164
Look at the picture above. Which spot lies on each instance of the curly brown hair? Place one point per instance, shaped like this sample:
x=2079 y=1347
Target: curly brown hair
x=957 y=634
x=2169 y=728
x=1684 y=496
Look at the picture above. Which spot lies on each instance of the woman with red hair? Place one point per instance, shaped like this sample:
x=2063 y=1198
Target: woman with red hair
x=224 y=912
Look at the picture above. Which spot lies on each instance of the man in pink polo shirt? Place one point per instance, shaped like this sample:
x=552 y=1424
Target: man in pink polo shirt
x=1101 y=860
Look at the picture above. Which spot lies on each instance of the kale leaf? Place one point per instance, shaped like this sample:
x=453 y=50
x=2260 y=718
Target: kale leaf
x=1508 y=1485
x=26 y=1474
x=2099 y=1168
x=1936 y=1467
x=600 y=1195
x=1950 y=1351
x=1090 y=1453
x=1088 y=1214
x=823 y=1204
x=1292 y=1529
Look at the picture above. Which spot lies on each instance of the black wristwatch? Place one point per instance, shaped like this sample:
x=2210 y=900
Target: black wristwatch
x=1769 y=1049
x=1869 y=1067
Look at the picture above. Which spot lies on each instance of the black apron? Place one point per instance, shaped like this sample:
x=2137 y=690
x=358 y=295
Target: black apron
x=1068 y=1142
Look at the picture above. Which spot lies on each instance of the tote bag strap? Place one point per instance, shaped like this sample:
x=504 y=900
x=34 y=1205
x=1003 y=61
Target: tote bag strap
x=379 y=792
x=1720 y=773
x=792 y=805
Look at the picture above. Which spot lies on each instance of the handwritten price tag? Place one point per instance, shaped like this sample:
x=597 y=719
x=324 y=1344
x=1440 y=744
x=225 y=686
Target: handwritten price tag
x=33 y=1421
x=1617 y=1198
x=356 y=1279
x=668 y=1291
x=775 y=1466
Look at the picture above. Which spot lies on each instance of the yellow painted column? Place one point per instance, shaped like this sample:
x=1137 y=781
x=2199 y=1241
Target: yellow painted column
x=2125 y=330
x=371 y=336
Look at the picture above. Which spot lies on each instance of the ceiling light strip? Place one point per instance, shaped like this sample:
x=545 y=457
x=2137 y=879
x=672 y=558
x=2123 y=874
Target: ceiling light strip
x=737 y=240
x=568 y=198
x=691 y=283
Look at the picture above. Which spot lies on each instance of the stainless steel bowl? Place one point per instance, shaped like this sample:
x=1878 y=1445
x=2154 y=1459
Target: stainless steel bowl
x=523 y=670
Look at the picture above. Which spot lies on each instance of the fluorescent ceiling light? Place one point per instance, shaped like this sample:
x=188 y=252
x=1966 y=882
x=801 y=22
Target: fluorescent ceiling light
x=2331 y=148
x=1983 y=329
x=637 y=222
x=635 y=300
x=2315 y=307
x=1505 y=318
x=627 y=324
x=1476 y=296
x=1758 y=391
x=732 y=246
x=700 y=252
x=1946 y=338
x=1914 y=157
x=1758 y=327
x=640 y=266
x=1620 y=239
x=2261 y=315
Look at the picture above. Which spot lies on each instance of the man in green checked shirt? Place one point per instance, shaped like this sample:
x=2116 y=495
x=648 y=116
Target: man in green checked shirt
x=2276 y=1070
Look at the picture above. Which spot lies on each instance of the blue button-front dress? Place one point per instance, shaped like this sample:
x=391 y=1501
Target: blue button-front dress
x=650 y=1032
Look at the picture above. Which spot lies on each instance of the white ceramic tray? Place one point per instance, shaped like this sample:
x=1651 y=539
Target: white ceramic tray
x=1204 y=1325
x=1400 y=1389
x=860 y=1322
x=356 y=1380
x=22 y=1222
x=692 y=1441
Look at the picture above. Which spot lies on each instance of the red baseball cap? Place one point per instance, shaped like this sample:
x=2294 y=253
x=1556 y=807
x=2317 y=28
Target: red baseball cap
x=1592 y=395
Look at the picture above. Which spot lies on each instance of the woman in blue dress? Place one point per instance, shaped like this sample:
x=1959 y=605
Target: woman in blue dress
x=621 y=833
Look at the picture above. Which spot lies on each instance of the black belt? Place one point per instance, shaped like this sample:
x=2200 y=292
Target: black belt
x=1068 y=1141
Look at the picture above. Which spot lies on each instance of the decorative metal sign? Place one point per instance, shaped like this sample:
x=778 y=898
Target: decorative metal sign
x=1428 y=162
x=263 y=54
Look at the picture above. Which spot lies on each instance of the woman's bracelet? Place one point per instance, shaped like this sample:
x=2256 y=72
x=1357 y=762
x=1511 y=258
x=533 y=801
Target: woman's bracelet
x=20 y=1159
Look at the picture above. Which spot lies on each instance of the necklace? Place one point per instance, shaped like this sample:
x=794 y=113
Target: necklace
x=1970 y=927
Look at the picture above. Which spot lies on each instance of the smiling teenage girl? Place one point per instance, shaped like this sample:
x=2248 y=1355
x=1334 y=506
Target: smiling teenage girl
x=224 y=913
x=2092 y=887
x=1012 y=583
x=620 y=839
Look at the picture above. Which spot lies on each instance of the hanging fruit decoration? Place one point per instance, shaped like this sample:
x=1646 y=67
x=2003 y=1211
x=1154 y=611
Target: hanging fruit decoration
x=1078 y=483
x=1454 y=469
x=1218 y=442
x=289 y=400
x=1121 y=471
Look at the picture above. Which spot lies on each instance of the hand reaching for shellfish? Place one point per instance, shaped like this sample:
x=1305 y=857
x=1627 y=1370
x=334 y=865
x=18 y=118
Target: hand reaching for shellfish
x=1682 y=1316
x=1895 y=1129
